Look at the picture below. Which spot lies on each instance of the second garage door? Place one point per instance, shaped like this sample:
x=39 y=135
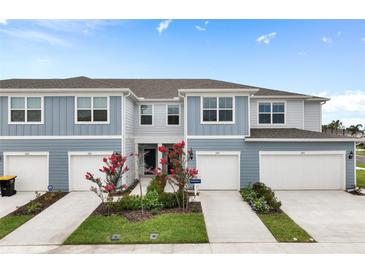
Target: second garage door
x=303 y=170
x=219 y=170
x=80 y=163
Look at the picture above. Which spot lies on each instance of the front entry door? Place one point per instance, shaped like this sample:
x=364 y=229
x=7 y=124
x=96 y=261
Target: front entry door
x=149 y=160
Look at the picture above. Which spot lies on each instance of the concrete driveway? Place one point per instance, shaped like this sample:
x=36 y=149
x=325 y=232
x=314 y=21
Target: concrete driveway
x=53 y=225
x=230 y=220
x=9 y=204
x=328 y=216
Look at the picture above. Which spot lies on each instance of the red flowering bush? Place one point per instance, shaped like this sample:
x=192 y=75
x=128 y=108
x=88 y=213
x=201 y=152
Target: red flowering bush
x=180 y=174
x=114 y=168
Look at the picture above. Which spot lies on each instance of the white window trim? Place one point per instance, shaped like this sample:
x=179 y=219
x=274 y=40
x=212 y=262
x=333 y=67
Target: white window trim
x=218 y=122
x=25 y=110
x=92 y=111
x=140 y=113
x=167 y=115
x=271 y=113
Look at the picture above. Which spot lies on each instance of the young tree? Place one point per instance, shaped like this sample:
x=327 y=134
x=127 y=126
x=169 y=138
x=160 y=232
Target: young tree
x=114 y=168
x=180 y=174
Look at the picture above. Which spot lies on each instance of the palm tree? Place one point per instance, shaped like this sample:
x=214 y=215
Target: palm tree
x=355 y=129
x=335 y=124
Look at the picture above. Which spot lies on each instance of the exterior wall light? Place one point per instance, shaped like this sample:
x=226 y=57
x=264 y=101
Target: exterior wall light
x=351 y=155
x=191 y=154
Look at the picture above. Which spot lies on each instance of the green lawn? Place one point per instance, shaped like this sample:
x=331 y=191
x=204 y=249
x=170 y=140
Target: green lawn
x=283 y=228
x=360 y=165
x=10 y=223
x=361 y=153
x=172 y=228
x=360 y=178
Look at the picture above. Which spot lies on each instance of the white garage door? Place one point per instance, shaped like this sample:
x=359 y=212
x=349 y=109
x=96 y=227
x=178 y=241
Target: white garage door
x=31 y=169
x=218 y=170
x=303 y=170
x=80 y=163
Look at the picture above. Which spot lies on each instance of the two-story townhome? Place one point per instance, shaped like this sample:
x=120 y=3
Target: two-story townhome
x=52 y=131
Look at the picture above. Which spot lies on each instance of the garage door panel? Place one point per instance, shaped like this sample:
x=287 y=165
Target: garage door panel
x=31 y=171
x=303 y=171
x=218 y=171
x=80 y=165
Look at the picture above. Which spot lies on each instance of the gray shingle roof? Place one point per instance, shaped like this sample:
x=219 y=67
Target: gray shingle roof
x=292 y=133
x=147 y=88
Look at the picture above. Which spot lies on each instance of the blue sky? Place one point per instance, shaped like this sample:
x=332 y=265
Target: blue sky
x=321 y=57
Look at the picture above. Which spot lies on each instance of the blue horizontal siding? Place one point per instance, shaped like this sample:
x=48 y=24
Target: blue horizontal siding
x=240 y=127
x=59 y=119
x=58 y=154
x=249 y=162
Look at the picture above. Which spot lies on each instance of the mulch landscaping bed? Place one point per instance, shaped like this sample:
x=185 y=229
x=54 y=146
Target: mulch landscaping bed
x=136 y=215
x=39 y=204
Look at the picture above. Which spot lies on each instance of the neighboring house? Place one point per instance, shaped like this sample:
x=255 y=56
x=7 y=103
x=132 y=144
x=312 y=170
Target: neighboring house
x=54 y=130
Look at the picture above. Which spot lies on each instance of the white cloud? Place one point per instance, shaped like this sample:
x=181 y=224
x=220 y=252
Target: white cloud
x=363 y=39
x=326 y=40
x=347 y=107
x=3 y=22
x=339 y=33
x=202 y=28
x=163 y=26
x=266 y=38
x=36 y=36
x=199 y=28
x=301 y=53
x=77 y=26
x=349 y=101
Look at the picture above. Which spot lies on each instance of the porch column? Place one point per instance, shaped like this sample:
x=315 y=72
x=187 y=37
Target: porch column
x=159 y=156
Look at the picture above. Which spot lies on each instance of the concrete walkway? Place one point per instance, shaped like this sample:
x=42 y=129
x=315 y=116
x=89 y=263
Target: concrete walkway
x=56 y=223
x=230 y=220
x=212 y=248
x=9 y=204
x=328 y=216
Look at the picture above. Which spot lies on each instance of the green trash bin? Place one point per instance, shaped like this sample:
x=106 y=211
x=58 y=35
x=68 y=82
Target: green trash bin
x=7 y=184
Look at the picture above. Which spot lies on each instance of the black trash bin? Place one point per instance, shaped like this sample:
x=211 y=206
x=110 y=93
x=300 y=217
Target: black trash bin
x=7 y=184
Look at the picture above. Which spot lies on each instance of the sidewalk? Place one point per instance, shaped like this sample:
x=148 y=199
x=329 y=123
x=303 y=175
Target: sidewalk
x=213 y=248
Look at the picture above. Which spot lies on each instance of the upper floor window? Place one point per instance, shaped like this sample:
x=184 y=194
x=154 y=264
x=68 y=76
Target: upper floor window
x=218 y=109
x=26 y=110
x=92 y=109
x=272 y=113
x=173 y=114
x=146 y=114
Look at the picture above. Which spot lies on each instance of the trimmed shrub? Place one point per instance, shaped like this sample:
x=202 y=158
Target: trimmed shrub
x=266 y=192
x=249 y=195
x=152 y=200
x=130 y=202
x=169 y=200
x=261 y=198
x=260 y=205
x=156 y=185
